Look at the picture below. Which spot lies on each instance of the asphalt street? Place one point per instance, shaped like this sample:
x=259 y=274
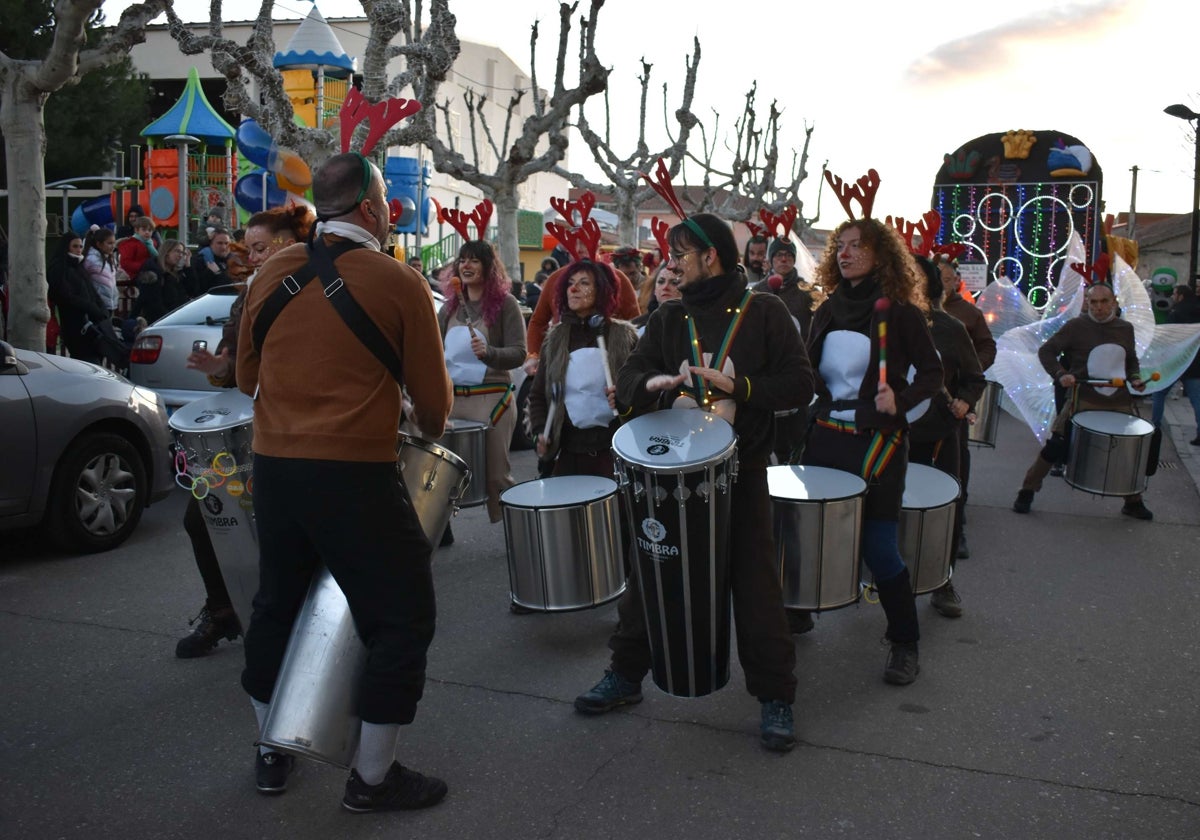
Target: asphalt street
x=1061 y=705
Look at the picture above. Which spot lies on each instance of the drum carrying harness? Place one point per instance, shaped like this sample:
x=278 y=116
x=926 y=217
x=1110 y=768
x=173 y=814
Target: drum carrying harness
x=321 y=259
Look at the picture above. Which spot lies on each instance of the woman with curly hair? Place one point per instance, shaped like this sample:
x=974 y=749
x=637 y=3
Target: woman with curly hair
x=572 y=367
x=863 y=411
x=484 y=336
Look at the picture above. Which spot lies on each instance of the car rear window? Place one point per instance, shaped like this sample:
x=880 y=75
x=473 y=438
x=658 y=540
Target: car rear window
x=210 y=309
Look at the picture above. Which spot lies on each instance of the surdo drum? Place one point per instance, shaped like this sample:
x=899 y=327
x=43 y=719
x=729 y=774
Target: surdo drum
x=214 y=461
x=987 y=416
x=676 y=469
x=435 y=478
x=468 y=440
x=927 y=526
x=1108 y=454
x=818 y=515
x=563 y=536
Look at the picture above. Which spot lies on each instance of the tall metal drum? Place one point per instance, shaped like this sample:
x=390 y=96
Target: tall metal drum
x=214 y=435
x=676 y=469
x=987 y=416
x=564 y=542
x=1109 y=452
x=927 y=526
x=467 y=439
x=435 y=478
x=818 y=515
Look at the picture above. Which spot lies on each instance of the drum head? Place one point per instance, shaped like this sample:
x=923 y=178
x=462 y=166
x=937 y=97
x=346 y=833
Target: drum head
x=456 y=425
x=673 y=439
x=559 y=491
x=926 y=488
x=1113 y=423
x=224 y=409
x=813 y=484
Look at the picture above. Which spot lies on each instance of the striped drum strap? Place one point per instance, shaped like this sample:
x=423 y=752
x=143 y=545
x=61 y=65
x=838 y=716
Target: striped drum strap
x=880 y=451
x=502 y=404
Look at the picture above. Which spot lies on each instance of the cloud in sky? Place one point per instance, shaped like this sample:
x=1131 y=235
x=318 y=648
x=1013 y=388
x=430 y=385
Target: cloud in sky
x=980 y=54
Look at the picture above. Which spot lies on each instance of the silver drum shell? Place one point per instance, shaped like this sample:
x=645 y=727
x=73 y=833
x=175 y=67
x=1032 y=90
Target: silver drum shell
x=1109 y=452
x=987 y=416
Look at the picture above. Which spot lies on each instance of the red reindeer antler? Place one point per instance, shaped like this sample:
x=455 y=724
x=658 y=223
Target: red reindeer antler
x=787 y=218
x=663 y=187
x=864 y=190
x=587 y=234
x=928 y=227
x=383 y=115
x=756 y=230
x=460 y=221
x=950 y=251
x=659 y=228
x=568 y=209
x=1095 y=273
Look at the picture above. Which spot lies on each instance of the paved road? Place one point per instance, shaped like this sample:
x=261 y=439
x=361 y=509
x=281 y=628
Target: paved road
x=1061 y=705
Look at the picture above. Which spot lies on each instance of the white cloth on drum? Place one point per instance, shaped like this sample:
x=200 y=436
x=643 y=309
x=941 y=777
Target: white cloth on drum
x=844 y=360
x=1106 y=361
x=461 y=363
x=587 y=404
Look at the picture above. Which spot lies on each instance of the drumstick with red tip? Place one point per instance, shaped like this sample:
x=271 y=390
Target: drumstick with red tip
x=456 y=284
x=881 y=306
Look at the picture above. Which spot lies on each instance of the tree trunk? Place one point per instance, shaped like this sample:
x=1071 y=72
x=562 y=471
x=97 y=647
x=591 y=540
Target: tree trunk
x=627 y=226
x=22 y=124
x=507 y=205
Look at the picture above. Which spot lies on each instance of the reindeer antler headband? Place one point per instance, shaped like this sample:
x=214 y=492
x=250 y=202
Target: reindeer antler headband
x=928 y=227
x=1095 y=274
x=949 y=253
x=661 y=183
x=587 y=232
x=772 y=223
x=659 y=228
x=459 y=220
x=863 y=191
x=383 y=115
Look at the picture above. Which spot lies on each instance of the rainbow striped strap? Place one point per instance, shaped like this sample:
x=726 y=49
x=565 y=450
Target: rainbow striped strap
x=879 y=453
x=700 y=387
x=502 y=404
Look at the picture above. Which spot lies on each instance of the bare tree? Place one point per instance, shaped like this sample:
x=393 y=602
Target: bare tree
x=516 y=152
x=24 y=88
x=428 y=52
x=625 y=185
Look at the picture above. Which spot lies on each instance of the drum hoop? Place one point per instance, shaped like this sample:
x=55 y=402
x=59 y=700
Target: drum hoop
x=840 y=498
x=435 y=449
x=721 y=457
x=564 y=505
x=1124 y=435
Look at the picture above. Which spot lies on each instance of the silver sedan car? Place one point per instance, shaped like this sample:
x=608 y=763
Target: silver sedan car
x=84 y=450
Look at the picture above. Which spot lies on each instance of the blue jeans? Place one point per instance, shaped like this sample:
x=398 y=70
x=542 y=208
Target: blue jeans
x=1191 y=388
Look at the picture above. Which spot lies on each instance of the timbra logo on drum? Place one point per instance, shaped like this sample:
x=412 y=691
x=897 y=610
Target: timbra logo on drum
x=210 y=414
x=656 y=531
x=213 y=504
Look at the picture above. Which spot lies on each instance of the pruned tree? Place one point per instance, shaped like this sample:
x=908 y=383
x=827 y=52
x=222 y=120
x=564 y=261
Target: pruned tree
x=625 y=185
x=429 y=51
x=516 y=150
x=25 y=86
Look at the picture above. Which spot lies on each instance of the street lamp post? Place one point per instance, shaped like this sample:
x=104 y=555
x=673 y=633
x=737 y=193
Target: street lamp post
x=1183 y=112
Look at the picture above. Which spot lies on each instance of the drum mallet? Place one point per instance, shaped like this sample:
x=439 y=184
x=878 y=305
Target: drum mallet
x=596 y=322
x=456 y=284
x=555 y=398
x=881 y=306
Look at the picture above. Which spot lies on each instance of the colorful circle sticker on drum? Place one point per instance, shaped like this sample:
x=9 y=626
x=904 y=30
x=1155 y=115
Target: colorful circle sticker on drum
x=235 y=488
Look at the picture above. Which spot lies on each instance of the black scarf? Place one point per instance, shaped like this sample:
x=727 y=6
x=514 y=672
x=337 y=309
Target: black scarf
x=853 y=307
x=704 y=292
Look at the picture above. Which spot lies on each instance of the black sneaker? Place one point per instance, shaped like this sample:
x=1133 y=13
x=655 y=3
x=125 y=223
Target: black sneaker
x=401 y=790
x=1024 y=501
x=902 y=664
x=777 y=729
x=946 y=601
x=211 y=625
x=1137 y=510
x=271 y=771
x=800 y=622
x=613 y=690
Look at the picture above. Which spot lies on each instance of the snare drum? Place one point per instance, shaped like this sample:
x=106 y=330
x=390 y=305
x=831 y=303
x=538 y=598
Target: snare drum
x=987 y=416
x=436 y=479
x=215 y=436
x=818 y=515
x=468 y=440
x=927 y=526
x=676 y=469
x=1108 y=453
x=563 y=536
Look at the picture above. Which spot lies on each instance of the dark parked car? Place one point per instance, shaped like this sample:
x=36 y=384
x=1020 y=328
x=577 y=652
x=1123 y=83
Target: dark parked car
x=84 y=450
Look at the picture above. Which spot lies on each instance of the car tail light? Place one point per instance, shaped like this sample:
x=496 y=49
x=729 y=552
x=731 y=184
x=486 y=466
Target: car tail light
x=145 y=350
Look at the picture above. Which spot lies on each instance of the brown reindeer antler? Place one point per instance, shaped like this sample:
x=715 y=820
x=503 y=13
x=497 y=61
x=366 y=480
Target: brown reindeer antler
x=587 y=234
x=383 y=115
x=864 y=190
x=928 y=227
x=662 y=185
x=1094 y=273
x=460 y=221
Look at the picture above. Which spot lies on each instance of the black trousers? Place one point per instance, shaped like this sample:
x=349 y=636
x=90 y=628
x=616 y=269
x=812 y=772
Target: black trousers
x=357 y=519
x=764 y=643
x=216 y=595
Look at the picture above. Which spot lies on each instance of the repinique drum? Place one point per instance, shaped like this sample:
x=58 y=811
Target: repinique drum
x=214 y=436
x=435 y=478
x=467 y=440
x=927 y=526
x=987 y=416
x=676 y=469
x=1108 y=454
x=564 y=542
x=818 y=515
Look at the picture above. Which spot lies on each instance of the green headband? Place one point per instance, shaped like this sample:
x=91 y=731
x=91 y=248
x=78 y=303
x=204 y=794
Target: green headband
x=699 y=231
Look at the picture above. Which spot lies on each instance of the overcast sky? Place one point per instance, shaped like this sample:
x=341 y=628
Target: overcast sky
x=888 y=85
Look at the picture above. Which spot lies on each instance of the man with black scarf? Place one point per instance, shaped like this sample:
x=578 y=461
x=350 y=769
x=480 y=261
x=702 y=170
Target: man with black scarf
x=767 y=370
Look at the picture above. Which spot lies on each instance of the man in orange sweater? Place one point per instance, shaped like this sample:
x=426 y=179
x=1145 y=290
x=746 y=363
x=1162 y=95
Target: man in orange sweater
x=326 y=488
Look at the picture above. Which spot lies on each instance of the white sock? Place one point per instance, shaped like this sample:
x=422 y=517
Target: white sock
x=376 y=750
x=260 y=712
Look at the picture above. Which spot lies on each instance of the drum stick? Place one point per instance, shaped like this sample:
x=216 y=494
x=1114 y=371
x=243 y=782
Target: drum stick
x=881 y=306
x=555 y=394
x=596 y=322
x=456 y=284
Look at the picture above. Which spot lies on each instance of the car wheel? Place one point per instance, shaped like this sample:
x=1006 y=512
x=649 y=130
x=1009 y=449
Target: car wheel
x=98 y=493
x=520 y=440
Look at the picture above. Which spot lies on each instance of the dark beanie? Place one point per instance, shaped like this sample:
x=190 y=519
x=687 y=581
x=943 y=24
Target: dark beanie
x=778 y=245
x=136 y=208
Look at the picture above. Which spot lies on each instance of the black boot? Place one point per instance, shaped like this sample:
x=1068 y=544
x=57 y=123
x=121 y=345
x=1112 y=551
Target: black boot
x=211 y=625
x=900 y=607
